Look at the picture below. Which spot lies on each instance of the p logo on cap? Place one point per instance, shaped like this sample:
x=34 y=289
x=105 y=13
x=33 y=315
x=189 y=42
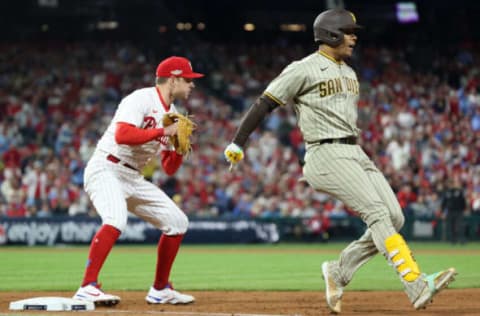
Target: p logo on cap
x=177 y=67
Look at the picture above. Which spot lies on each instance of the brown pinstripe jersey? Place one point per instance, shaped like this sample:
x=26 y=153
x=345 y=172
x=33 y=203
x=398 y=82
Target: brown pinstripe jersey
x=324 y=93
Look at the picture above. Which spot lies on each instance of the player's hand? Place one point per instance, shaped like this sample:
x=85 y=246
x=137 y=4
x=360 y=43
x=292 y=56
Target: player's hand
x=170 y=130
x=234 y=154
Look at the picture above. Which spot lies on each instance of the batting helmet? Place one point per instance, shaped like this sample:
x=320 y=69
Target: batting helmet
x=329 y=26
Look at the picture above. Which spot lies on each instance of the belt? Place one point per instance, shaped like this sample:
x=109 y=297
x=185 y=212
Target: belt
x=351 y=140
x=114 y=159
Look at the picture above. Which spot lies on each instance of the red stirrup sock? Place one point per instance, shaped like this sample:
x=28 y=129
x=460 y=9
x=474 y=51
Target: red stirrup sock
x=100 y=247
x=166 y=253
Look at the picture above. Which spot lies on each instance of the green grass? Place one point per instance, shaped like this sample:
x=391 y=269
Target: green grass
x=223 y=267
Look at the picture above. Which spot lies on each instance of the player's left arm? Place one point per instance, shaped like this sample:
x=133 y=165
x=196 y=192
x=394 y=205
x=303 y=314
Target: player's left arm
x=171 y=161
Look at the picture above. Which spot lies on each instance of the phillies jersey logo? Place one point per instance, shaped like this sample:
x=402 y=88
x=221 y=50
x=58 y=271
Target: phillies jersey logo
x=149 y=122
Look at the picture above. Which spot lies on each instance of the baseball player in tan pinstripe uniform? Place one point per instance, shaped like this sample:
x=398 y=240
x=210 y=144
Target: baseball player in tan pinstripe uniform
x=324 y=91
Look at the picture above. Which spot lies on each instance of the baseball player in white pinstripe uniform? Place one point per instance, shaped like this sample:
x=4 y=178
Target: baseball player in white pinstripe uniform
x=324 y=91
x=115 y=185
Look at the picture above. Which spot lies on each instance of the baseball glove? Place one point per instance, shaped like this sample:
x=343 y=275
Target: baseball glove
x=181 y=141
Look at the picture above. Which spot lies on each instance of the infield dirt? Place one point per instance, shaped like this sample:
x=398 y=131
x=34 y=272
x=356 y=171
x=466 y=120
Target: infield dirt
x=450 y=302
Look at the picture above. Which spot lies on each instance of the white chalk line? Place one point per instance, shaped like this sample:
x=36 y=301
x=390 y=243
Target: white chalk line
x=187 y=313
x=166 y=313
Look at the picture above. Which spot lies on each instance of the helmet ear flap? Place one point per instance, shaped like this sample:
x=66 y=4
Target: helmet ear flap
x=335 y=37
x=328 y=37
x=329 y=25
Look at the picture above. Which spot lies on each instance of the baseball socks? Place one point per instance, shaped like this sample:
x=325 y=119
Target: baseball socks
x=100 y=247
x=166 y=252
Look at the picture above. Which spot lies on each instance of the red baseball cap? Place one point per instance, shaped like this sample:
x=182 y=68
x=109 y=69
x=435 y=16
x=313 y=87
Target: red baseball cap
x=177 y=67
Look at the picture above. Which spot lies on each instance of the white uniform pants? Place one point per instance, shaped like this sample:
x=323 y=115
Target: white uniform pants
x=116 y=190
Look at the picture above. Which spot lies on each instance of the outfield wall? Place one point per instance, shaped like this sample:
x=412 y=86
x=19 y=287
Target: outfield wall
x=79 y=230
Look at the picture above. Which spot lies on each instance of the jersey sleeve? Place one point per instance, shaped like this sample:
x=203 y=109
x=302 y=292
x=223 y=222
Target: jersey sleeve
x=286 y=85
x=131 y=110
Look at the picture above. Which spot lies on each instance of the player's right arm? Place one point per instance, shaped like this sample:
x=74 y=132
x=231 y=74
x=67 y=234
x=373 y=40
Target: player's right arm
x=252 y=119
x=129 y=134
x=129 y=118
x=255 y=115
x=282 y=88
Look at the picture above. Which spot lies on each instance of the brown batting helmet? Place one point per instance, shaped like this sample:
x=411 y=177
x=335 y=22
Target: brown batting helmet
x=329 y=26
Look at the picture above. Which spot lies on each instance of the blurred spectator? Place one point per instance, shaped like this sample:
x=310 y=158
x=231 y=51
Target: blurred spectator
x=43 y=210
x=454 y=206
x=426 y=205
x=36 y=184
x=272 y=209
x=64 y=137
x=16 y=208
x=80 y=206
x=476 y=202
x=317 y=226
x=475 y=121
x=399 y=152
x=405 y=197
x=12 y=190
x=11 y=158
x=243 y=207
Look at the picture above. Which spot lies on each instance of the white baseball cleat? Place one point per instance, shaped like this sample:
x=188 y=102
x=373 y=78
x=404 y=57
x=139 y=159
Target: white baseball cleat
x=167 y=296
x=434 y=283
x=333 y=291
x=91 y=293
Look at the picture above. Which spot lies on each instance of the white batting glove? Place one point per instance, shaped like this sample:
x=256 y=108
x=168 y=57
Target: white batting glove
x=234 y=154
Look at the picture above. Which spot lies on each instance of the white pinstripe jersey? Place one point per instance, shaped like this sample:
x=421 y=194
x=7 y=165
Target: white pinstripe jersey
x=324 y=93
x=142 y=108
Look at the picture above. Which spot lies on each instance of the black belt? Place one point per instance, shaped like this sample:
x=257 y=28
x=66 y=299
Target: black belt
x=114 y=159
x=346 y=140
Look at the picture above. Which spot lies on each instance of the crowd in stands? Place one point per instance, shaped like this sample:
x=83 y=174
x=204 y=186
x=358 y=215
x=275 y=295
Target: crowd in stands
x=421 y=126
